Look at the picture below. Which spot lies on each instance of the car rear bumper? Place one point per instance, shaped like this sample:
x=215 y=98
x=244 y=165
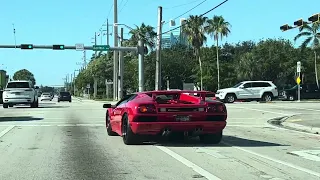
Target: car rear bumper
x=41 y=99
x=154 y=128
x=17 y=101
x=64 y=99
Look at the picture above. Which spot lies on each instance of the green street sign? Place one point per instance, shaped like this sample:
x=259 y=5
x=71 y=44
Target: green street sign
x=100 y=47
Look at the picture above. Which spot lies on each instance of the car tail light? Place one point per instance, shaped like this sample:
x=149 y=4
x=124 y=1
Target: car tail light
x=148 y=108
x=219 y=108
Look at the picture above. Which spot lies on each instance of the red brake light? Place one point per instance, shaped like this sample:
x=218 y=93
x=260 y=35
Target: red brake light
x=219 y=108
x=148 y=108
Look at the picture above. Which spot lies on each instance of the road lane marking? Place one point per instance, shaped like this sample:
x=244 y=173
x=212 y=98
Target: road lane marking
x=307 y=109
x=271 y=112
x=293 y=120
x=188 y=163
x=313 y=155
x=5 y=131
x=308 y=171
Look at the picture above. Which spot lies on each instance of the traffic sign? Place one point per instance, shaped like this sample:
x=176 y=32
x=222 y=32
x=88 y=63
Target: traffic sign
x=298 y=66
x=298 y=80
x=79 y=47
x=100 y=47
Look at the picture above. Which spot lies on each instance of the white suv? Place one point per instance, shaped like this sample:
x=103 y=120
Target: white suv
x=249 y=90
x=20 y=92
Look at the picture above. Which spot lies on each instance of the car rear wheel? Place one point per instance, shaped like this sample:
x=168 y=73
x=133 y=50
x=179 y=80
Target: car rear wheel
x=129 y=138
x=108 y=126
x=11 y=105
x=211 y=138
x=5 y=105
x=267 y=97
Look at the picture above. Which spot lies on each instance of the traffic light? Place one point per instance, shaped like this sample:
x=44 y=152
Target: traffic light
x=314 y=18
x=26 y=46
x=299 y=23
x=58 y=47
x=285 y=27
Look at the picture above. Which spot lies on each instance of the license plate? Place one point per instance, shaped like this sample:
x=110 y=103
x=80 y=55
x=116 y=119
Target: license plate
x=182 y=118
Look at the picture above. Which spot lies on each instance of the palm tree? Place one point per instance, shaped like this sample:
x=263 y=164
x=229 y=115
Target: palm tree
x=218 y=27
x=145 y=32
x=312 y=37
x=194 y=30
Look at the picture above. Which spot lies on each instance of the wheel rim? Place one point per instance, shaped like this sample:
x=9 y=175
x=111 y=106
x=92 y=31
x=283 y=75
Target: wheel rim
x=230 y=98
x=267 y=98
x=291 y=98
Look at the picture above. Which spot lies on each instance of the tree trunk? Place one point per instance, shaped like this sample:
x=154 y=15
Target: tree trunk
x=218 y=68
x=200 y=66
x=315 y=67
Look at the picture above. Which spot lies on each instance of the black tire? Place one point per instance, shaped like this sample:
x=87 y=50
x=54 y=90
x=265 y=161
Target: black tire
x=70 y=101
x=211 y=138
x=128 y=137
x=108 y=126
x=10 y=105
x=230 y=98
x=5 y=105
x=291 y=98
x=266 y=97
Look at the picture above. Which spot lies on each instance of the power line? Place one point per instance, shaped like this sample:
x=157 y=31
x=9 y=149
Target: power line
x=200 y=16
x=182 y=5
x=124 y=5
x=186 y=12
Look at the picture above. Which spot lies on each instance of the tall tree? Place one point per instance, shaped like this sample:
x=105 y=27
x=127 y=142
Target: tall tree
x=24 y=74
x=145 y=32
x=312 y=37
x=195 y=32
x=218 y=28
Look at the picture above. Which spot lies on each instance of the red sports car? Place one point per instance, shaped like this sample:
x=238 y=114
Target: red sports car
x=161 y=113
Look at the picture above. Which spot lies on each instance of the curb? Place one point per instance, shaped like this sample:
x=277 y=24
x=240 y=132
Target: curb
x=281 y=122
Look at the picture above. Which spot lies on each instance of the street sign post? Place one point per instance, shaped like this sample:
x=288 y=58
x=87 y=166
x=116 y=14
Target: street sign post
x=79 y=47
x=298 y=80
x=100 y=47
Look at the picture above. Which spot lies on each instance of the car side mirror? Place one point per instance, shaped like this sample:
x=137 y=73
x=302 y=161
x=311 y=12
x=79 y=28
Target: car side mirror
x=107 y=105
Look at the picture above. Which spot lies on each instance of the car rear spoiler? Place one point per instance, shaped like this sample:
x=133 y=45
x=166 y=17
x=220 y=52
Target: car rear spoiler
x=202 y=93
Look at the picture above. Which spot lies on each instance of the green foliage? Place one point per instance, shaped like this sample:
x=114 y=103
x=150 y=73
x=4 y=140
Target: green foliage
x=24 y=74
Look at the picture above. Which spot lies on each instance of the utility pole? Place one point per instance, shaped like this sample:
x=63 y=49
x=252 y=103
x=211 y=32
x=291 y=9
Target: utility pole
x=84 y=59
x=108 y=32
x=115 y=53
x=95 y=43
x=141 y=65
x=121 y=66
x=158 y=58
x=74 y=83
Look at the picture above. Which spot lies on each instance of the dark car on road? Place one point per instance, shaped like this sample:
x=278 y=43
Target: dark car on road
x=307 y=91
x=64 y=96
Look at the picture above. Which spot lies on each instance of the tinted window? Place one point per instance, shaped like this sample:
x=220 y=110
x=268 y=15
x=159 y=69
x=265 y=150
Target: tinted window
x=18 y=85
x=237 y=85
x=247 y=85
x=260 y=84
x=64 y=93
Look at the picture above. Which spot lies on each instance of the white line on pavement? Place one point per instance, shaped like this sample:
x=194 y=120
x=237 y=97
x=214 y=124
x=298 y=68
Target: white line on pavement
x=188 y=163
x=308 y=171
x=307 y=109
x=2 y=133
x=272 y=112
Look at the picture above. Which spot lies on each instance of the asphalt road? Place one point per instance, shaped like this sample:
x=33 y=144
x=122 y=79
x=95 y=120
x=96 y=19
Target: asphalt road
x=69 y=141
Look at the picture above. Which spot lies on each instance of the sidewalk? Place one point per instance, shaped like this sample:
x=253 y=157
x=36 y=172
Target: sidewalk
x=304 y=122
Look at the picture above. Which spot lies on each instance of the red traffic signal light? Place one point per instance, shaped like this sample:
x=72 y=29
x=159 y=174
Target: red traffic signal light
x=285 y=27
x=299 y=23
x=314 y=18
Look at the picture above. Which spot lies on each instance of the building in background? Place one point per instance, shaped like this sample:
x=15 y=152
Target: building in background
x=174 y=37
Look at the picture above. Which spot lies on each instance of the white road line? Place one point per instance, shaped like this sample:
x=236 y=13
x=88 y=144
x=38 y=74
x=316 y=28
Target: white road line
x=188 y=163
x=2 y=133
x=308 y=154
x=308 y=109
x=272 y=112
x=308 y=171
x=245 y=125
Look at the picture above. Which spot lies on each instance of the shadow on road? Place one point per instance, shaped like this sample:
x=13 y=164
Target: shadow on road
x=234 y=141
x=19 y=118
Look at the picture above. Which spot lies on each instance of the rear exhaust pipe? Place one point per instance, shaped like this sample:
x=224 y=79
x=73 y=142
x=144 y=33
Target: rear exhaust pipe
x=166 y=132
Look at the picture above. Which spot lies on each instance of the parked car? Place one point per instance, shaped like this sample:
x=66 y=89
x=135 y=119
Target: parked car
x=307 y=91
x=249 y=90
x=165 y=113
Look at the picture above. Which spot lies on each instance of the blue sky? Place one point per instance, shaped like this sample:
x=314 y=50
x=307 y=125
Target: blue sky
x=71 y=22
